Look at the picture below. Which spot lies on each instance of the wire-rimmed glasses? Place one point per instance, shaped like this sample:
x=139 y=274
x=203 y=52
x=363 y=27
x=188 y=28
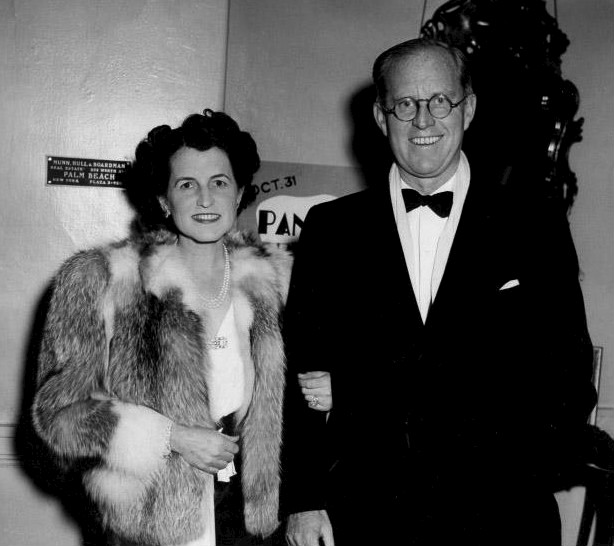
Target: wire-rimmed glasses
x=406 y=109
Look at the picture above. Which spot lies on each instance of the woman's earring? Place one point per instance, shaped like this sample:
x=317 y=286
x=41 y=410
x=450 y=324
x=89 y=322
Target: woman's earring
x=164 y=206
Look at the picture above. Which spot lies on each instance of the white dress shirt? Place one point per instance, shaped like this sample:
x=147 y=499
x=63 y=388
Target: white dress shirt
x=427 y=238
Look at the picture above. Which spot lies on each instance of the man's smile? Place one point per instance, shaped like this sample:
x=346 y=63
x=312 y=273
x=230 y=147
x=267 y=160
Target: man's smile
x=425 y=141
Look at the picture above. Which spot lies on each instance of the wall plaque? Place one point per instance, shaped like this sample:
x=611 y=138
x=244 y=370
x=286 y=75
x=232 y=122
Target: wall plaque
x=74 y=171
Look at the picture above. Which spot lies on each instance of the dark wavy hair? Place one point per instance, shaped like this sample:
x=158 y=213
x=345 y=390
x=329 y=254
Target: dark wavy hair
x=398 y=52
x=148 y=175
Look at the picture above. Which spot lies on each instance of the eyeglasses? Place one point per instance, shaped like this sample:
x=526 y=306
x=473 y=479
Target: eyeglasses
x=406 y=109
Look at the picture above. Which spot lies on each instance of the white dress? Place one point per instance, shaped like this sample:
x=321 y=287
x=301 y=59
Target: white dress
x=226 y=382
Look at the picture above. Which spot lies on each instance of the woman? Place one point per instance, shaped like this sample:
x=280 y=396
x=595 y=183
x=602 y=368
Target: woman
x=162 y=359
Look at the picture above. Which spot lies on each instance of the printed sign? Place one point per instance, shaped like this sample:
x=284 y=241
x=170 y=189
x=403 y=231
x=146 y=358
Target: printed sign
x=276 y=184
x=73 y=171
x=281 y=218
x=284 y=193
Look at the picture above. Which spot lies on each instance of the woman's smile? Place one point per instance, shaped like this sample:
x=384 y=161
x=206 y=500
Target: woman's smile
x=206 y=217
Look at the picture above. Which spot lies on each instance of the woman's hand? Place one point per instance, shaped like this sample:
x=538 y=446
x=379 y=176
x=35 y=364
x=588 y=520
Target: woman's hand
x=204 y=448
x=317 y=390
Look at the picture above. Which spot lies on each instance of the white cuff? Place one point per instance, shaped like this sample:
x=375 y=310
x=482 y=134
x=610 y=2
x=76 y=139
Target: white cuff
x=140 y=441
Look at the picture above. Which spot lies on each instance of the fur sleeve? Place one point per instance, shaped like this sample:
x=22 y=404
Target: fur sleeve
x=72 y=366
x=72 y=360
x=263 y=272
x=281 y=260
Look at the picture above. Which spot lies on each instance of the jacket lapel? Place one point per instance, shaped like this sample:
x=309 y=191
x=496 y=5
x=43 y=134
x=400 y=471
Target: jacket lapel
x=466 y=271
x=397 y=291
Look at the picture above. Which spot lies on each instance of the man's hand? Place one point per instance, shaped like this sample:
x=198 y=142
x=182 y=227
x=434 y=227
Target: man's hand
x=307 y=528
x=204 y=448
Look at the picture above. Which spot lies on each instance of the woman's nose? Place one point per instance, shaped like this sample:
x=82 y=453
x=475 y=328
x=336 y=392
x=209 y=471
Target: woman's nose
x=205 y=198
x=423 y=117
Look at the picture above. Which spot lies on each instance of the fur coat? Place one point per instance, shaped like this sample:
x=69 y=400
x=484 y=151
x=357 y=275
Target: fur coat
x=123 y=321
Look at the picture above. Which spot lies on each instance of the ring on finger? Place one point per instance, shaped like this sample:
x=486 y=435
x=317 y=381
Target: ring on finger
x=314 y=402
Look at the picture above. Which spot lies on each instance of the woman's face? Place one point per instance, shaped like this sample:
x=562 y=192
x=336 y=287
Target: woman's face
x=202 y=194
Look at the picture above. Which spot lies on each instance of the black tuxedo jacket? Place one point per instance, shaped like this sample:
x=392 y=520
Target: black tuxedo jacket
x=446 y=431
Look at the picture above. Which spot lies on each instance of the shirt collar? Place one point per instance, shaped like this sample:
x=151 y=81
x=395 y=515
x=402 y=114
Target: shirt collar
x=460 y=176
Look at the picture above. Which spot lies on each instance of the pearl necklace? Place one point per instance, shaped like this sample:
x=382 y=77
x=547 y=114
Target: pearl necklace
x=215 y=302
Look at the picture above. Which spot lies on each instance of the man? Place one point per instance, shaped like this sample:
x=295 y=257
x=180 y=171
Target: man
x=451 y=320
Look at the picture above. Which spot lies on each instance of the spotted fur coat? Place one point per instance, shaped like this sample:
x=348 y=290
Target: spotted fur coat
x=123 y=321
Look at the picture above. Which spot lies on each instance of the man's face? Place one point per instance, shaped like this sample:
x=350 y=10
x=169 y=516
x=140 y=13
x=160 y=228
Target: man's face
x=426 y=149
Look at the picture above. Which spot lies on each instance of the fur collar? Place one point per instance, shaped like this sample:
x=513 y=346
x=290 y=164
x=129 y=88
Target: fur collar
x=254 y=267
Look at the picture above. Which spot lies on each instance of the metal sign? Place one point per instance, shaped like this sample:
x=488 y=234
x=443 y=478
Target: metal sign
x=74 y=171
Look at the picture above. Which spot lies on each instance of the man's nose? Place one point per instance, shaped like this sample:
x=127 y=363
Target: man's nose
x=423 y=117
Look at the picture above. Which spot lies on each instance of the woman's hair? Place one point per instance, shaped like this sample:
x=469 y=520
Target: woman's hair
x=148 y=175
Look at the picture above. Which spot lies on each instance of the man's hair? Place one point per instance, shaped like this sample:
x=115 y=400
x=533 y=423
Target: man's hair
x=396 y=53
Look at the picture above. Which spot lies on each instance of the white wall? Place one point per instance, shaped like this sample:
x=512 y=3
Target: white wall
x=589 y=63
x=79 y=78
x=292 y=67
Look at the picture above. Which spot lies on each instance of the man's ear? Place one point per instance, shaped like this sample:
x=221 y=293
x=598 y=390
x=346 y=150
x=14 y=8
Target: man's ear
x=380 y=118
x=469 y=108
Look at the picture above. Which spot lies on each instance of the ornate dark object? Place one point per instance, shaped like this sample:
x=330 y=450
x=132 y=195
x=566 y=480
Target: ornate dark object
x=524 y=124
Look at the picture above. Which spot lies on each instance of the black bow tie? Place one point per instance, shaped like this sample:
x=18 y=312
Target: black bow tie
x=440 y=203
